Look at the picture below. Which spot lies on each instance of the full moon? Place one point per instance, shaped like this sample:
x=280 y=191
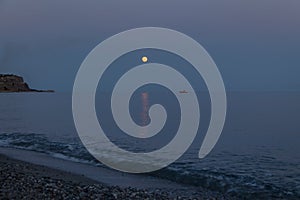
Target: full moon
x=144 y=59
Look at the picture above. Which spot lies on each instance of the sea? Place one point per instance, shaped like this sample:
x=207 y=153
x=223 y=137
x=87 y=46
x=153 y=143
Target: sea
x=256 y=157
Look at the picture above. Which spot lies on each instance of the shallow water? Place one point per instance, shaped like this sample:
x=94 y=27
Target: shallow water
x=258 y=154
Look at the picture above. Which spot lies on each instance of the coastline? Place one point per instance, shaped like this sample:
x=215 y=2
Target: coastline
x=21 y=180
x=30 y=91
x=34 y=175
x=13 y=83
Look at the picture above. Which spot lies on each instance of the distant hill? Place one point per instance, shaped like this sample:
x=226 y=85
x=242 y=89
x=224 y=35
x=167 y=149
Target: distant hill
x=14 y=83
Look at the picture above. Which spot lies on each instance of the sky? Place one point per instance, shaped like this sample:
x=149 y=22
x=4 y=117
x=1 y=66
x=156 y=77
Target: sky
x=255 y=43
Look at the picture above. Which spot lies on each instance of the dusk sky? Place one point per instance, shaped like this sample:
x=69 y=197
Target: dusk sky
x=255 y=44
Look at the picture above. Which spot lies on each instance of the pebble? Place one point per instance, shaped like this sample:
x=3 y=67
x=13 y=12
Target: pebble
x=17 y=183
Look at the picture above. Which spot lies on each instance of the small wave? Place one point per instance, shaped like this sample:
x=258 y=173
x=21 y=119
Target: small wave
x=243 y=187
x=39 y=143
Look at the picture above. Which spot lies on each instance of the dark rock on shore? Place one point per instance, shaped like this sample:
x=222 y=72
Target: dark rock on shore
x=13 y=83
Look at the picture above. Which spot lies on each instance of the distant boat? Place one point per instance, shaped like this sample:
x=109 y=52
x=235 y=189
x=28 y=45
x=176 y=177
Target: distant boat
x=183 y=92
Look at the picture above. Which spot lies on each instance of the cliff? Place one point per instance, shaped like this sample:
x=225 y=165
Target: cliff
x=13 y=83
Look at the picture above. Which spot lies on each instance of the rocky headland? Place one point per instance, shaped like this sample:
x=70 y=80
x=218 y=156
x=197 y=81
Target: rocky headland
x=14 y=83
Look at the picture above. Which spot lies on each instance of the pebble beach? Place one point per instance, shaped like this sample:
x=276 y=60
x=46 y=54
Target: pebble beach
x=23 y=180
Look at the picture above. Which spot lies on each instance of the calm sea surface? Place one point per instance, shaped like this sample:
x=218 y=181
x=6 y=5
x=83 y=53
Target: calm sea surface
x=257 y=156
